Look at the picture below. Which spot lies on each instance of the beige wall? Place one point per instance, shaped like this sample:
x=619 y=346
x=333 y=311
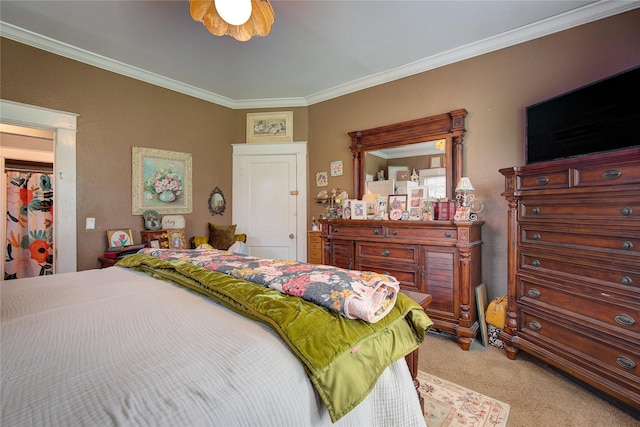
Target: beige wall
x=494 y=88
x=117 y=113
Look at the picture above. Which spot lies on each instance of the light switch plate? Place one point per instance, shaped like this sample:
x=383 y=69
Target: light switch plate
x=91 y=224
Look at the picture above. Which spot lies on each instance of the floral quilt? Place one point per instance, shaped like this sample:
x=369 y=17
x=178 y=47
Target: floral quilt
x=354 y=294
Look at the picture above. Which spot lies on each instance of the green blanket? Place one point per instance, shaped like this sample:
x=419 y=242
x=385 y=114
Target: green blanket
x=342 y=357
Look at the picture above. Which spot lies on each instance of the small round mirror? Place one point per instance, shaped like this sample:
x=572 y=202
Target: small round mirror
x=217 y=204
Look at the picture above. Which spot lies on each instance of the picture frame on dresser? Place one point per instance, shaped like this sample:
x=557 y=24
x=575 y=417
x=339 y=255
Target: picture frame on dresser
x=358 y=209
x=397 y=201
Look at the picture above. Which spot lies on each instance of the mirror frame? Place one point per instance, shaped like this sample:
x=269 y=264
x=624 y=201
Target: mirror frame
x=448 y=126
x=216 y=210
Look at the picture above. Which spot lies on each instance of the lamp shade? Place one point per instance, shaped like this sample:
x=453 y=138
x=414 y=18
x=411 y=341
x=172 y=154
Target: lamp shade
x=234 y=12
x=258 y=24
x=464 y=185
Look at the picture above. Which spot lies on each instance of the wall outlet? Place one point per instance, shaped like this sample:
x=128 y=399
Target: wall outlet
x=91 y=224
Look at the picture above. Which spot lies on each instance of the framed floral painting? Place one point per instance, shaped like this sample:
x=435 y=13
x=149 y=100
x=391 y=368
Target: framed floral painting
x=119 y=237
x=161 y=181
x=270 y=127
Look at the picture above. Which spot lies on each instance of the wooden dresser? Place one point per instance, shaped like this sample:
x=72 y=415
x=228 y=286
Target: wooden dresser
x=440 y=258
x=574 y=268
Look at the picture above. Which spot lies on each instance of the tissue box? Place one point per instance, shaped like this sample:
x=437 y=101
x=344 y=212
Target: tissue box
x=494 y=336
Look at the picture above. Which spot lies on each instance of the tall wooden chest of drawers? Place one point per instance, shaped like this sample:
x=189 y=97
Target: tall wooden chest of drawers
x=314 y=253
x=440 y=258
x=574 y=268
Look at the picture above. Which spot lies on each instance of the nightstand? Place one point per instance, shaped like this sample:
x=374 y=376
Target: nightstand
x=160 y=236
x=107 y=262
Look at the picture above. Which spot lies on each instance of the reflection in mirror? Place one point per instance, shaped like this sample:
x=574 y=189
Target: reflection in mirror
x=423 y=161
x=417 y=152
x=217 y=203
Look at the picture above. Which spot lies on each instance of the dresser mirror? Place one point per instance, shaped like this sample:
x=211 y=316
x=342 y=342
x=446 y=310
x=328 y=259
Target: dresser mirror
x=431 y=147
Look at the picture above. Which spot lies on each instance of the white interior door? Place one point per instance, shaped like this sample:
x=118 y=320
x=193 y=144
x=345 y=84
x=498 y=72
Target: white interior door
x=269 y=199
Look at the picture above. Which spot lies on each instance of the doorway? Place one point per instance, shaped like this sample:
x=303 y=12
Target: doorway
x=63 y=126
x=26 y=202
x=269 y=198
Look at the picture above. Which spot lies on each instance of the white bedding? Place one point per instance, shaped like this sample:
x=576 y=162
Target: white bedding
x=117 y=347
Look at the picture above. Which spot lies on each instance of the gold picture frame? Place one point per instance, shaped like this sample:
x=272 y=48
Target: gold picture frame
x=160 y=181
x=270 y=127
x=176 y=239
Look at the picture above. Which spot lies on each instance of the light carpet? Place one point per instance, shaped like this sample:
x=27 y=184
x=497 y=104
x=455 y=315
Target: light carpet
x=449 y=405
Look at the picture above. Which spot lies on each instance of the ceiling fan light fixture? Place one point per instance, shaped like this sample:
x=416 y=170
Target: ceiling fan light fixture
x=234 y=12
x=258 y=24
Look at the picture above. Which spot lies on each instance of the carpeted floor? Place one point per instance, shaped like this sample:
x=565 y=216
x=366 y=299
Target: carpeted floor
x=449 y=405
x=537 y=395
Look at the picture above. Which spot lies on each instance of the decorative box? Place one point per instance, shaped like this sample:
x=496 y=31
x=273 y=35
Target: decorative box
x=444 y=210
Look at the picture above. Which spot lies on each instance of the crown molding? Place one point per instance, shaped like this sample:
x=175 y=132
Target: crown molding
x=589 y=13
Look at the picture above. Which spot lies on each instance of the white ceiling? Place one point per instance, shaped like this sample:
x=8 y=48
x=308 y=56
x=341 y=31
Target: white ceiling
x=317 y=50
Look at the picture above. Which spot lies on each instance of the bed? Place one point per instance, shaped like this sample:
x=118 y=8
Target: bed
x=131 y=345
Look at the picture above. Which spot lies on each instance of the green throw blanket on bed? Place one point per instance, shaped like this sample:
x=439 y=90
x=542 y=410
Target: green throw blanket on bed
x=342 y=357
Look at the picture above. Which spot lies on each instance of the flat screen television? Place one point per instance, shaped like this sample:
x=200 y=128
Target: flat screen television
x=601 y=116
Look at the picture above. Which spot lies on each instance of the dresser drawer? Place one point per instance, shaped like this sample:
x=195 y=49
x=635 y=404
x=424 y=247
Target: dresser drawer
x=384 y=253
x=354 y=230
x=603 y=355
x=621 y=316
x=617 y=278
x=423 y=233
x=622 y=207
x=408 y=276
x=538 y=181
x=611 y=174
x=612 y=243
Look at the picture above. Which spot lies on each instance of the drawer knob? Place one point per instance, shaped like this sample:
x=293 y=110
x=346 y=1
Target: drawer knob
x=535 y=325
x=394 y=232
x=626 y=280
x=543 y=180
x=447 y=234
x=536 y=236
x=611 y=174
x=535 y=263
x=385 y=252
x=376 y=231
x=535 y=210
x=625 y=362
x=626 y=211
x=533 y=292
x=627 y=245
x=335 y=229
x=624 y=320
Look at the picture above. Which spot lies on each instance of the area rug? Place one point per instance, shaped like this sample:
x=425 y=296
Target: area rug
x=449 y=405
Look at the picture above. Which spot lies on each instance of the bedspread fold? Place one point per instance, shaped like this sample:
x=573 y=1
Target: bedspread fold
x=342 y=357
x=355 y=294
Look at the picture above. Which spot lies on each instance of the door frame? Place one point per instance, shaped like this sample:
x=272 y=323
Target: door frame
x=64 y=127
x=299 y=149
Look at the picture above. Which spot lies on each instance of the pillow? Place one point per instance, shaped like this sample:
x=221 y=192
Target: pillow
x=200 y=240
x=221 y=236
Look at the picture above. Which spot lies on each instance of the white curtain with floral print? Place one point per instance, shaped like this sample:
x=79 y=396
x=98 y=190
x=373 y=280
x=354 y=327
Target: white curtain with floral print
x=29 y=225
